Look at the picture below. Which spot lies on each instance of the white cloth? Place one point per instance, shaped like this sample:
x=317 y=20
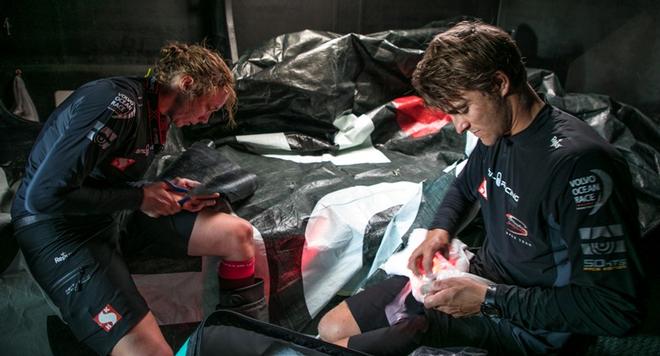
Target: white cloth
x=457 y=265
x=24 y=106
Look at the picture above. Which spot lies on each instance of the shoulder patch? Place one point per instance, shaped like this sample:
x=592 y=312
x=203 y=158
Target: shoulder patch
x=123 y=107
x=592 y=190
x=102 y=135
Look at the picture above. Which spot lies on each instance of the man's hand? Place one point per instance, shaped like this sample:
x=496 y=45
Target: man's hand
x=194 y=203
x=158 y=200
x=421 y=259
x=185 y=183
x=458 y=297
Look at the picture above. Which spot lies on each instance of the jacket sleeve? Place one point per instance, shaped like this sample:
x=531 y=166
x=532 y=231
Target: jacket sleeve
x=87 y=133
x=460 y=196
x=595 y=213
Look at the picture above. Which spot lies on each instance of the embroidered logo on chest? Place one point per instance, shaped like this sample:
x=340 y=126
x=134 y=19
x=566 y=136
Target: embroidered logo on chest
x=502 y=184
x=482 y=189
x=516 y=229
x=144 y=151
x=122 y=163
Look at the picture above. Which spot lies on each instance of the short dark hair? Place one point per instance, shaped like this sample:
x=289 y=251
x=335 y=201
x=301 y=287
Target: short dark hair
x=464 y=58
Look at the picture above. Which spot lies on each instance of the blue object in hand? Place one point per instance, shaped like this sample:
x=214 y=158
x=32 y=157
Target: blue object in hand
x=176 y=188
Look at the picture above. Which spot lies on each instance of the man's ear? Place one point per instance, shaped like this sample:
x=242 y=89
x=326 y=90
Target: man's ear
x=502 y=82
x=186 y=82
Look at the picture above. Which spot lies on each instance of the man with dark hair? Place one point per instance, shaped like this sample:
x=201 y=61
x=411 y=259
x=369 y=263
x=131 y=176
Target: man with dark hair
x=559 y=213
x=84 y=173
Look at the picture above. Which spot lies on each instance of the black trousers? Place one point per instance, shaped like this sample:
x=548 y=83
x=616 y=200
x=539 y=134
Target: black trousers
x=394 y=323
x=75 y=261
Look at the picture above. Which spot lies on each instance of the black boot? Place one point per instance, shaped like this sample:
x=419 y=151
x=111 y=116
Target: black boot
x=247 y=300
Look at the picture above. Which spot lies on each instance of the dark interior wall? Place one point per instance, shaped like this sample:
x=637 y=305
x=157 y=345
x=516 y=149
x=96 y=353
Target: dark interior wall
x=597 y=46
x=258 y=20
x=605 y=46
x=63 y=44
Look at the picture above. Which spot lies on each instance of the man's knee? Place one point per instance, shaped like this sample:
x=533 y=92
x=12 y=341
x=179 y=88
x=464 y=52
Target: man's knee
x=232 y=238
x=328 y=328
x=337 y=324
x=243 y=232
x=240 y=235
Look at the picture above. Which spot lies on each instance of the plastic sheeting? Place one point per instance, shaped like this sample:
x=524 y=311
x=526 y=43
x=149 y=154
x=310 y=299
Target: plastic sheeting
x=296 y=88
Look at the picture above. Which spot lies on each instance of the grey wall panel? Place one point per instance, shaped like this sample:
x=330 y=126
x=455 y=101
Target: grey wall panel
x=605 y=46
x=96 y=31
x=602 y=46
x=63 y=44
x=259 y=20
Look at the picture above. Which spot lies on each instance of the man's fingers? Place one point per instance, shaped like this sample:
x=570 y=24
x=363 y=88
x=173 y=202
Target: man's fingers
x=188 y=183
x=196 y=204
x=435 y=300
x=414 y=262
x=206 y=197
x=411 y=264
x=437 y=286
x=427 y=262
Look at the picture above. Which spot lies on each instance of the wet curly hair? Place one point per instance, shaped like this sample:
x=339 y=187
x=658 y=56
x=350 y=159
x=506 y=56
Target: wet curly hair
x=207 y=69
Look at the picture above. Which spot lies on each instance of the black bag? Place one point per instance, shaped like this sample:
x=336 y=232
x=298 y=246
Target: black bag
x=216 y=173
x=225 y=332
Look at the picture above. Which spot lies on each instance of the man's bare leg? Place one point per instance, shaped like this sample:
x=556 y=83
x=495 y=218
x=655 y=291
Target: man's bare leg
x=144 y=338
x=338 y=325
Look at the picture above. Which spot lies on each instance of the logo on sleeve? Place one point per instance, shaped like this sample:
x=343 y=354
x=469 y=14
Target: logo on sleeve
x=591 y=191
x=482 y=189
x=122 y=106
x=555 y=142
x=602 y=247
x=122 y=163
x=107 y=318
x=102 y=135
